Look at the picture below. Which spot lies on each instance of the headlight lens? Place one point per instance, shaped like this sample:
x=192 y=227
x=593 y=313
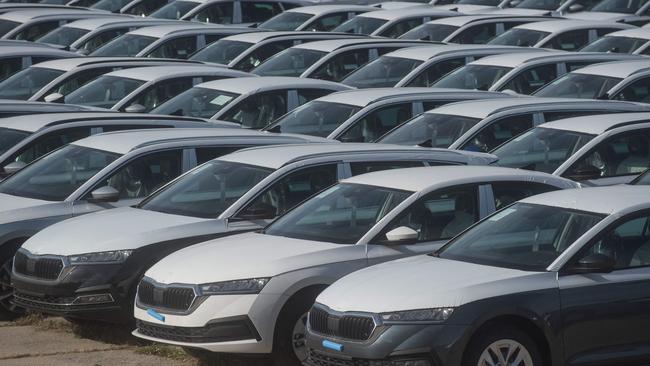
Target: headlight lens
x=422 y=315
x=249 y=286
x=114 y=256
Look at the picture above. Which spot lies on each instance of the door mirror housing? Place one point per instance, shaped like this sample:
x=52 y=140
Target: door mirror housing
x=135 y=108
x=576 y=8
x=402 y=235
x=105 y=194
x=54 y=98
x=12 y=168
x=258 y=211
x=584 y=172
x=594 y=263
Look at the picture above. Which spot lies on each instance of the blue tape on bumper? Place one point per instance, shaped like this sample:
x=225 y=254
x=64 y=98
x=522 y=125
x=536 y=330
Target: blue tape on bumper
x=333 y=346
x=154 y=314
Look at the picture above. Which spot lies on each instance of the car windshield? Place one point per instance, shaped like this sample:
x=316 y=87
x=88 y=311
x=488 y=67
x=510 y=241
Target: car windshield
x=222 y=51
x=290 y=62
x=6 y=26
x=57 y=175
x=540 y=149
x=63 y=36
x=10 y=137
x=540 y=4
x=287 y=21
x=615 y=44
x=523 y=236
x=127 y=45
x=208 y=190
x=103 y=92
x=316 y=118
x=23 y=84
x=385 y=71
x=360 y=25
x=196 y=102
x=618 y=6
x=520 y=37
x=342 y=214
x=431 y=130
x=575 y=85
x=430 y=32
x=479 y=77
x=113 y=6
x=174 y=10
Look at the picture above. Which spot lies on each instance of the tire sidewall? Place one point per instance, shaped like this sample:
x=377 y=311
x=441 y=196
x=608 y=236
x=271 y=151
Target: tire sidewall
x=483 y=339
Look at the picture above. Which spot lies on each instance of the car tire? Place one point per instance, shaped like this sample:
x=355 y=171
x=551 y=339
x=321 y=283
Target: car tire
x=503 y=345
x=8 y=310
x=288 y=344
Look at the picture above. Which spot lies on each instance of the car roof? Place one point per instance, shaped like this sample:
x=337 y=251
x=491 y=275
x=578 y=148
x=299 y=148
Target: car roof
x=424 y=53
x=643 y=33
x=563 y=25
x=619 y=69
x=161 y=72
x=28 y=50
x=420 y=179
x=331 y=45
x=324 y=9
x=160 y=31
x=460 y=21
x=254 y=37
x=395 y=14
x=67 y=64
x=364 y=97
x=517 y=59
x=94 y=23
x=277 y=156
x=603 y=200
x=598 y=124
x=23 y=16
x=251 y=84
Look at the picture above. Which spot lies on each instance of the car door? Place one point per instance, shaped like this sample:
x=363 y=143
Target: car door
x=605 y=315
x=376 y=123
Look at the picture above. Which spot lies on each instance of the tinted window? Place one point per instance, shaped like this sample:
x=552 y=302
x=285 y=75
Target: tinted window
x=128 y=45
x=638 y=91
x=220 y=13
x=618 y=6
x=430 y=129
x=437 y=70
x=339 y=66
x=402 y=27
x=158 y=94
x=78 y=80
x=480 y=77
x=256 y=12
x=10 y=137
x=478 y=34
x=103 y=92
x=25 y=83
x=9 y=66
x=506 y=193
x=221 y=52
x=499 y=132
x=615 y=44
x=6 y=26
x=385 y=71
x=520 y=37
x=196 y=102
x=64 y=36
x=113 y=6
x=327 y=23
x=360 y=25
x=376 y=166
x=553 y=116
x=532 y=79
x=316 y=118
x=286 y=21
x=36 y=31
x=430 y=32
x=261 y=54
x=179 y=48
x=94 y=43
x=576 y=85
x=377 y=123
x=174 y=10
x=290 y=62
x=307 y=95
x=49 y=142
x=145 y=7
x=205 y=154
x=258 y=110
x=569 y=41
x=540 y=4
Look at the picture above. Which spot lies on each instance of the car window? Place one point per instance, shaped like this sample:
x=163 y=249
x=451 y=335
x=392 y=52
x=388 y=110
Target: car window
x=575 y=85
x=363 y=167
x=261 y=54
x=219 y=13
x=615 y=44
x=506 y=193
x=23 y=84
x=49 y=142
x=9 y=66
x=316 y=118
x=256 y=12
x=327 y=23
x=438 y=215
x=554 y=116
x=625 y=154
x=532 y=79
x=431 y=130
x=197 y=102
x=211 y=38
x=291 y=190
x=101 y=39
x=307 y=95
x=103 y=92
x=480 y=77
x=290 y=62
x=145 y=7
x=140 y=177
x=384 y=72
x=338 y=67
x=258 y=110
x=434 y=72
x=499 y=132
x=78 y=80
x=569 y=41
x=36 y=31
x=478 y=34
x=179 y=48
x=205 y=154
x=377 y=123
x=158 y=94
x=402 y=27
x=638 y=91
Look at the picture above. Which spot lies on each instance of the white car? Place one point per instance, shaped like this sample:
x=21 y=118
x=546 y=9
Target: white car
x=250 y=293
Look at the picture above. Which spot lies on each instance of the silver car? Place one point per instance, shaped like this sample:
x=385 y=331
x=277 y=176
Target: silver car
x=29 y=25
x=18 y=56
x=319 y=18
x=636 y=40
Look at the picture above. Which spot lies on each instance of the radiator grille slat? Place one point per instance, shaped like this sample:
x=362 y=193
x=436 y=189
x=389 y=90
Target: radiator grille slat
x=38 y=267
x=174 y=298
x=354 y=327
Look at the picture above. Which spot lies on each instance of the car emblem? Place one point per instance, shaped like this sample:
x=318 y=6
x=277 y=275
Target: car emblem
x=156 y=315
x=333 y=345
x=31 y=265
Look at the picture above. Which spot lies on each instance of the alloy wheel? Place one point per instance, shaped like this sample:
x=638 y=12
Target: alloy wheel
x=505 y=352
x=298 y=338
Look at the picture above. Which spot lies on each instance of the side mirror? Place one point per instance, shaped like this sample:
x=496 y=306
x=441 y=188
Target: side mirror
x=576 y=8
x=135 y=108
x=594 y=263
x=259 y=211
x=12 y=168
x=105 y=194
x=585 y=172
x=514 y=3
x=401 y=235
x=54 y=98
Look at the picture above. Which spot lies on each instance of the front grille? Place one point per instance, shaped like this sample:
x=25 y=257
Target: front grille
x=352 y=327
x=38 y=267
x=173 y=298
x=235 y=330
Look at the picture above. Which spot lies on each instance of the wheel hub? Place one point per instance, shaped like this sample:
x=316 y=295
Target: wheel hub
x=298 y=338
x=505 y=352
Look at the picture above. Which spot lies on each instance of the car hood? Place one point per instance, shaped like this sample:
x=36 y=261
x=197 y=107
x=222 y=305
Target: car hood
x=248 y=255
x=425 y=282
x=116 y=229
x=15 y=208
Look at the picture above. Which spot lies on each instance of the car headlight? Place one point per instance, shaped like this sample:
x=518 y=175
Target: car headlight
x=421 y=315
x=248 y=286
x=114 y=256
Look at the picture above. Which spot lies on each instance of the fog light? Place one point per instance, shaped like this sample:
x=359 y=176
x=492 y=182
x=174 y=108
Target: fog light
x=93 y=299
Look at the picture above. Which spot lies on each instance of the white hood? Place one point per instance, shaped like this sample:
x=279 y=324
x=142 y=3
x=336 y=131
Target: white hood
x=115 y=229
x=15 y=208
x=425 y=282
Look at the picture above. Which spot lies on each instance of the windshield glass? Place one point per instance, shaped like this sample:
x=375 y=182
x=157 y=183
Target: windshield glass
x=290 y=62
x=385 y=71
x=618 y=6
x=341 y=214
x=6 y=26
x=615 y=44
x=430 y=129
x=360 y=25
x=523 y=236
x=128 y=45
x=315 y=118
x=286 y=21
x=63 y=36
x=222 y=51
x=540 y=4
x=574 y=85
x=520 y=37
x=196 y=102
x=23 y=84
x=57 y=175
x=208 y=190
x=103 y=92
x=9 y=138
x=430 y=32
x=480 y=77
x=174 y=10
x=540 y=149
x=110 y=5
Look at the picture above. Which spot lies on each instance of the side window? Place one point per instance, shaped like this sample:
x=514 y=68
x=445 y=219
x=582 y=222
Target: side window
x=646 y=51
x=429 y=105
x=509 y=25
x=306 y=95
x=628 y=244
x=625 y=154
x=375 y=166
x=377 y=123
x=478 y=34
x=575 y=65
x=205 y=154
x=158 y=94
x=36 y=60
x=219 y=13
x=600 y=32
x=101 y=39
x=554 y=116
x=638 y=91
x=50 y=142
x=145 y=8
x=569 y=41
x=262 y=54
x=256 y=12
x=341 y=65
x=402 y=27
x=140 y=177
x=78 y=80
x=112 y=128
x=438 y=215
x=499 y=132
x=179 y=48
x=36 y=31
x=434 y=72
x=291 y=190
x=327 y=23
x=506 y=193
x=211 y=38
x=530 y=80
x=259 y=110
x=9 y=66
